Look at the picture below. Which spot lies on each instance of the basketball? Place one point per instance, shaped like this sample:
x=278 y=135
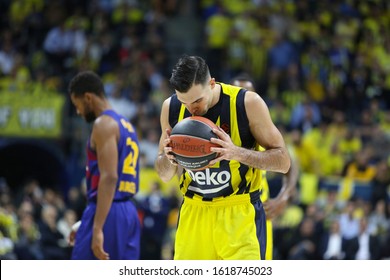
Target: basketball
x=190 y=142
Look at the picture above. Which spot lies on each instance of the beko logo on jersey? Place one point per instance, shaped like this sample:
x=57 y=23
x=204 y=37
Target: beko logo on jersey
x=205 y=177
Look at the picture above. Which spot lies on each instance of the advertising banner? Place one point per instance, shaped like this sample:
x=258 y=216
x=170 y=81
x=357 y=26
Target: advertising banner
x=23 y=115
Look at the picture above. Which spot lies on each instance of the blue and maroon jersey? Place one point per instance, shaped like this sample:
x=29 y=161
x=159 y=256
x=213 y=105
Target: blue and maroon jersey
x=128 y=162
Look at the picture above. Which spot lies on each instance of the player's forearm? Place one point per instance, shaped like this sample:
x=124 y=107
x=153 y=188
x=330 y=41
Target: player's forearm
x=165 y=169
x=106 y=192
x=275 y=160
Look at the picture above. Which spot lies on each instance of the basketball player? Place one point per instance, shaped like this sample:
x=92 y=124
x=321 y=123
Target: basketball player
x=272 y=206
x=109 y=228
x=222 y=216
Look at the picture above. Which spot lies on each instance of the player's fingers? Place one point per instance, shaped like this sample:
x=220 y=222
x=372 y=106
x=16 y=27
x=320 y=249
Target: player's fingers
x=220 y=133
x=266 y=209
x=217 y=150
x=217 y=141
x=168 y=153
x=173 y=161
x=71 y=238
x=170 y=156
x=269 y=210
x=269 y=214
x=167 y=142
x=100 y=254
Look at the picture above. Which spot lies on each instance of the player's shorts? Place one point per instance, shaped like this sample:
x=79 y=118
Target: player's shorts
x=270 y=247
x=229 y=229
x=121 y=233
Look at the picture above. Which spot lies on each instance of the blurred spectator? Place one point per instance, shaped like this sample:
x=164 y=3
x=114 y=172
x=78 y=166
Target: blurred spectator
x=149 y=146
x=305 y=153
x=282 y=61
x=365 y=246
x=58 y=46
x=350 y=144
x=331 y=161
x=28 y=246
x=65 y=223
x=338 y=125
x=6 y=248
x=315 y=67
x=217 y=29
x=107 y=52
x=330 y=206
x=285 y=227
x=155 y=209
x=360 y=169
x=52 y=240
x=8 y=53
x=332 y=243
x=32 y=192
x=305 y=115
x=367 y=126
x=380 y=183
x=120 y=102
x=378 y=221
x=349 y=224
x=333 y=102
x=304 y=242
x=76 y=201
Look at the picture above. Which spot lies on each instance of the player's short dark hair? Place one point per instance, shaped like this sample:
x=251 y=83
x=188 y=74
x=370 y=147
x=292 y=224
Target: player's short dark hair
x=86 y=81
x=189 y=71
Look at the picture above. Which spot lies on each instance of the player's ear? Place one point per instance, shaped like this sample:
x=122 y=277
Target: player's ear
x=88 y=96
x=212 y=83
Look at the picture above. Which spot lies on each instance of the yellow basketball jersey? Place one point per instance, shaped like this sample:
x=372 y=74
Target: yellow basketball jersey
x=226 y=178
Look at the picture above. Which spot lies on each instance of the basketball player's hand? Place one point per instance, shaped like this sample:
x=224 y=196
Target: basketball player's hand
x=274 y=207
x=72 y=235
x=71 y=238
x=97 y=245
x=227 y=150
x=168 y=148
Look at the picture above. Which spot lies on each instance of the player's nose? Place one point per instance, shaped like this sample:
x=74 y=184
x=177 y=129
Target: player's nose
x=192 y=109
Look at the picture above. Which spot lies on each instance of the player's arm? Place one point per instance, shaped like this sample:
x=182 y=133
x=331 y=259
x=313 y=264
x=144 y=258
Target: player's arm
x=104 y=139
x=275 y=206
x=165 y=163
x=275 y=157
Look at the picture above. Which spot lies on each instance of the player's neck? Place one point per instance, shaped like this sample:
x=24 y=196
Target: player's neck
x=216 y=94
x=102 y=105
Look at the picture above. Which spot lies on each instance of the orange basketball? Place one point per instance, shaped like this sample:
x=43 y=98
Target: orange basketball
x=190 y=142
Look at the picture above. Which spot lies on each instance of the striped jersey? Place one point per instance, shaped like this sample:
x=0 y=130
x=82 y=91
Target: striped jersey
x=225 y=178
x=128 y=162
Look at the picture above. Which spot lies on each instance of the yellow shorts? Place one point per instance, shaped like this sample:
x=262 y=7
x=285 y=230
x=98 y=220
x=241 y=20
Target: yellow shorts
x=269 y=248
x=229 y=229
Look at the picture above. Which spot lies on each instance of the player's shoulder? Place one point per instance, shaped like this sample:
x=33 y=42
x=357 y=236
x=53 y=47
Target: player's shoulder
x=167 y=101
x=253 y=99
x=166 y=104
x=255 y=105
x=252 y=95
x=105 y=123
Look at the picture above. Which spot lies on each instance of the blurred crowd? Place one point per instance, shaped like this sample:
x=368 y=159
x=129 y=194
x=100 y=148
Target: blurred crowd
x=323 y=68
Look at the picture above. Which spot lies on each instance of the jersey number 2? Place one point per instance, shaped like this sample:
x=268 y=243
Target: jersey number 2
x=130 y=163
x=131 y=159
